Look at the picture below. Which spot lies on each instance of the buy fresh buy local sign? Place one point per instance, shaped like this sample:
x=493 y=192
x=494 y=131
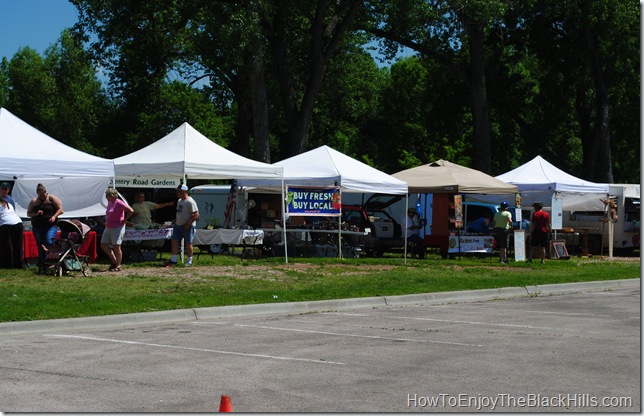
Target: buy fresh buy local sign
x=313 y=201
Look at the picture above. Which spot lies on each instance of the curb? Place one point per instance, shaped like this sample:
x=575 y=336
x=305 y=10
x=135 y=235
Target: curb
x=186 y=315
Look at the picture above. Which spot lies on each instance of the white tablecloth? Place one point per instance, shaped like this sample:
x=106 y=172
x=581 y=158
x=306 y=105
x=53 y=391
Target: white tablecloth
x=152 y=234
x=228 y=236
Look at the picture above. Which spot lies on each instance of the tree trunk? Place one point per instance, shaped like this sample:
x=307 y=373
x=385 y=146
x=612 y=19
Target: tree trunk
x=589 y=143
x=601 y=130
x=259 y=105
x=243 y=124
x=326 y=35
x=478 y=99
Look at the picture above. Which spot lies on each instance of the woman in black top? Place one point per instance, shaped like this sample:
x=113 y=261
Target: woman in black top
x=44 y=211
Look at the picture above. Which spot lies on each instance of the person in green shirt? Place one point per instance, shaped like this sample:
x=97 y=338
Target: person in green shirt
x=142 y=218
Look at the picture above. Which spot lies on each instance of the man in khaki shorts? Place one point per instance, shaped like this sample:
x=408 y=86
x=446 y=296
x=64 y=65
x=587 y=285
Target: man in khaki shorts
x=184 y=225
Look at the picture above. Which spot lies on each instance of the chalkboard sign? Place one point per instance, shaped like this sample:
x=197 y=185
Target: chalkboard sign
x=558 y=250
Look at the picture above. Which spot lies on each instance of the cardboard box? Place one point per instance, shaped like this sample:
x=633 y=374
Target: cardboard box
x=384 y=229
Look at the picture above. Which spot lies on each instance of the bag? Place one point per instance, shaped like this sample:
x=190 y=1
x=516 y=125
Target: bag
x=71 y=264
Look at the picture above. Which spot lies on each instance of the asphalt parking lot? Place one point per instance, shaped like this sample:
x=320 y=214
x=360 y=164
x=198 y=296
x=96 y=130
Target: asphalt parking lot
x=569 y=348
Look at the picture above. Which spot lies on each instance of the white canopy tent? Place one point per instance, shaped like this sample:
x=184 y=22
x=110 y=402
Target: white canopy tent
x=539 y=180
x=186 y=153
x=325 y=166
x=31 y=157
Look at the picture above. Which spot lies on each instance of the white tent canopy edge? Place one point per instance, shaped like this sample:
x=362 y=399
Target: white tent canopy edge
x=539 y=180
x=186 y=153
x=325 y=166
x=32 y=157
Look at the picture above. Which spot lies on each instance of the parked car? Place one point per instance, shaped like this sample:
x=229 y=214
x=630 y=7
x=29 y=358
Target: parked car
x=375 y=218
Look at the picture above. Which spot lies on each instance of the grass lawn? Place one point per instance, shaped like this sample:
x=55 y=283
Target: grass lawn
x=227 y=280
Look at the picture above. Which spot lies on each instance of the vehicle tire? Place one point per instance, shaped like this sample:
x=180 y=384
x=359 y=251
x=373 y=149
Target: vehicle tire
x=87 y=270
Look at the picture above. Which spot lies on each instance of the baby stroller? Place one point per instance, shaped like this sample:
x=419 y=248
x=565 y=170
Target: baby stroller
x=62 y=256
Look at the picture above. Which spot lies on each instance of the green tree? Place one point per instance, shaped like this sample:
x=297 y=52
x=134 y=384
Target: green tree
x=303 y=37
x=348 y=102
x=565 y=73
x=79 y=101
x=32 y=93
x=141 y=42
x=4 y=82
x=452 y=33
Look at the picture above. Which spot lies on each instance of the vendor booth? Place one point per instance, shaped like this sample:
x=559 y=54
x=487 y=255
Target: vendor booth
x=447 y=181
x=31 y=157
x=565 y=194
x=539 y=180
x=185 y=154
x=322 y=170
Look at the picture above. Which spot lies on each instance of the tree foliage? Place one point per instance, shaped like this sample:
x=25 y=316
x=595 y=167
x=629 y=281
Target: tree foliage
x=486 y=84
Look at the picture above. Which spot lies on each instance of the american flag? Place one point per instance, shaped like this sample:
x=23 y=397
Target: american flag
x=230 y=205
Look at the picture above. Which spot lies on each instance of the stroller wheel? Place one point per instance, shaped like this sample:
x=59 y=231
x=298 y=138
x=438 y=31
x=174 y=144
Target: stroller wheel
x=58 y=271
x=87 y=271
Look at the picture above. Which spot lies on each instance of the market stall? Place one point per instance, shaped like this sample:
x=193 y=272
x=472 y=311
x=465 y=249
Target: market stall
x=323 y=167
x=185 y=154
x=447 y=181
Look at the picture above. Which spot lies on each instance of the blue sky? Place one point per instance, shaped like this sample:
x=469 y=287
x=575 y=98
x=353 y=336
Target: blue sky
x=33 y=23
x=37 y=24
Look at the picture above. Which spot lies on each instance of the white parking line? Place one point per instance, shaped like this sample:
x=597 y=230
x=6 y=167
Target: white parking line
x=454 y=321
x=343 y=334
x=501 y=311
x=118 y=341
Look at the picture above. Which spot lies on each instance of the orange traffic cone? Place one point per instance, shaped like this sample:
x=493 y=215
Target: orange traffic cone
x=225 y=406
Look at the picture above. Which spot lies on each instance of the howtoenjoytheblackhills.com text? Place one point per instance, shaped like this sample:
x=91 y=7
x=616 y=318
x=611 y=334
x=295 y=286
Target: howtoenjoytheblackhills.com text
x=507 y=401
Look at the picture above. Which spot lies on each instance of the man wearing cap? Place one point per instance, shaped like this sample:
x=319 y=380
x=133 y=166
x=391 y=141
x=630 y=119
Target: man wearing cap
x=184 y=225
x=502 y=225
x=4 y=194
x=412 y=231
x=540 y=231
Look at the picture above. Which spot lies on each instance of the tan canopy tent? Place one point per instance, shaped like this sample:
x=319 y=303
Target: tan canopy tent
x=449 y=178
x=444 y=179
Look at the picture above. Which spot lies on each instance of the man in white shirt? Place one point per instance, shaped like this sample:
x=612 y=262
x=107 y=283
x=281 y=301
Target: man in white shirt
x=184 y=227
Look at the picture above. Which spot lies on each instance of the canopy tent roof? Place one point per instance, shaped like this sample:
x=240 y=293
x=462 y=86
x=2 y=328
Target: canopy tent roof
x=30 y=153
x=443 y=176
x=325 y=166
x=540 y=175
x=185 y=152
x=31 y=157
x=539 y=180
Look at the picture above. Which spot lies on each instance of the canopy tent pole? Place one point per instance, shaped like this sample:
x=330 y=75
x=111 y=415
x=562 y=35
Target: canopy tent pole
x=284 y=222
x=406 y=209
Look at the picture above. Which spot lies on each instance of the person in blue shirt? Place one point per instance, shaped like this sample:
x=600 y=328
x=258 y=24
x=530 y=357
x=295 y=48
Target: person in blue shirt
x=480 y=226
x=4 y=194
